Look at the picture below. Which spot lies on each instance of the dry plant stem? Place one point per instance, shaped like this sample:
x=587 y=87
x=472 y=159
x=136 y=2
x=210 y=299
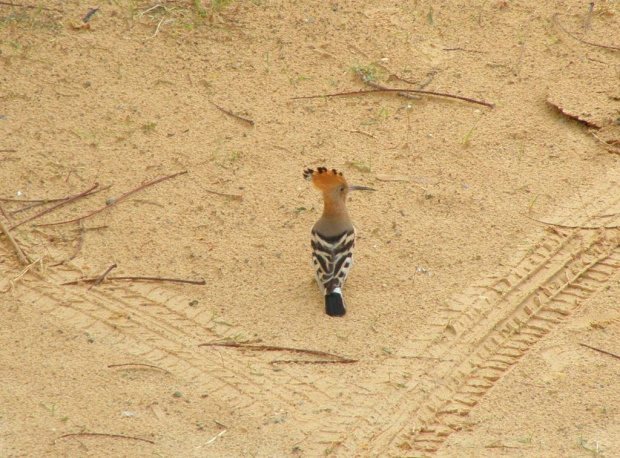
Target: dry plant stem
x=77 y=248
x=23 y=259
x=608 y=147
x=4 y=213
x=111 y=366
x=555 y=19
x=402 y=94
x=99 y=279
x=118 y=436
x=230 y=113
x=51 y=209
x=565 y=226
x=415 y=91
x=34 y=7
x=43 y=201
x=124 y=196
x=600 y=350
x=171 y=280
x=306 y=361
x=225 y=194
x=277 y=348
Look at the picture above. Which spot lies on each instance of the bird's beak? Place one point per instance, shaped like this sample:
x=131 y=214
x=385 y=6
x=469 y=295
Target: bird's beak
x=360 y=188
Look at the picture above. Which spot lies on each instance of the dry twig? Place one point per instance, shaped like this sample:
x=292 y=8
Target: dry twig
x=555 y=19
x=322 y=354
x=600 y=350
x=118 y=436
x=23 y=259
x=124 y=196
x=101 y=277
x=64 y=202
x=111 y=366
x=34 y=7
x=565 y=226
x=234 y=115
x=386 y=89
x=130 y=278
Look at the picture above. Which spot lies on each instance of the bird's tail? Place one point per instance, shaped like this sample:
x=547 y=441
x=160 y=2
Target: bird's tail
x=334 y=304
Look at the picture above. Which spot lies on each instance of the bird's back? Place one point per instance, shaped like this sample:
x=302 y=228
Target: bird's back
x=332 y=257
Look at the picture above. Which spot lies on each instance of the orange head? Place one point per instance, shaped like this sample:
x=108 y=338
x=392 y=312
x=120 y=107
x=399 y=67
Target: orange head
x=332 y=183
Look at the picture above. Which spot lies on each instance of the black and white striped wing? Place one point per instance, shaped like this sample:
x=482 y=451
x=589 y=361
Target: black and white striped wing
x=332 y=258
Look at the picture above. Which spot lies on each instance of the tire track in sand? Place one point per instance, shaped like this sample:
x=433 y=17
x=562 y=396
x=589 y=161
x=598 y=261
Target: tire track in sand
x=478 y=336
x=482 y=333
x=158 y=326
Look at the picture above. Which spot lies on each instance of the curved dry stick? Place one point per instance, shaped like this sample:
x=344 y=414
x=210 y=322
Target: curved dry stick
x=127 y=194
x=415 y=91
x=23 y=259
x=118 y=436
x=322 y=354
x=555 y=19
x=111 y=366
x=131 y=278
x=65 y=202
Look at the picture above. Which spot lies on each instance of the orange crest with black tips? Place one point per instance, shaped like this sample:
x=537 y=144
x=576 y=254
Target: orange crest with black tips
x=325 y=179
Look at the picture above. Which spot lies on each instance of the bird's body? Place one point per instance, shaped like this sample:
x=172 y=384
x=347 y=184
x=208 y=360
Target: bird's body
x=333 y=237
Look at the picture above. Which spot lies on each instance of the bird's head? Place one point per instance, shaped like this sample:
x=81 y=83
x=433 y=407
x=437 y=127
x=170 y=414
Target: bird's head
x=332 y=183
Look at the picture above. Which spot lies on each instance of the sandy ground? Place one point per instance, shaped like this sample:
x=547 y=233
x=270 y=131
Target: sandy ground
x=487 y=267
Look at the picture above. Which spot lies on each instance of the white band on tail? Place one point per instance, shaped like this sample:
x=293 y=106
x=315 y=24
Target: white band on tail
x=337 y=290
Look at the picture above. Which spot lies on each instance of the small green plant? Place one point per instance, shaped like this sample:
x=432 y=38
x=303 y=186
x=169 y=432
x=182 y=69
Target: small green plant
x=383 y=113
x=365 y=167
x=367 y=73
x=149 y=127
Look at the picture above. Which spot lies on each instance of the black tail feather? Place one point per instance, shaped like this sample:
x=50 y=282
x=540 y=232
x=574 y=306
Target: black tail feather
x=334 y=305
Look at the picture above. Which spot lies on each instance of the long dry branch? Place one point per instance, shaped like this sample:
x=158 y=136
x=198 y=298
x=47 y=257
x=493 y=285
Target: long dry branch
x=323 y=354
x=555 y=19
x=386 y=89
x=117 y=436
x=132 y=278
x=124 y=196
x=23 y=259
x=64 y=202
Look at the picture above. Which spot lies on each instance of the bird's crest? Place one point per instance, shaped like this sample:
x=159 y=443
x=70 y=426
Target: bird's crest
x=324 y=179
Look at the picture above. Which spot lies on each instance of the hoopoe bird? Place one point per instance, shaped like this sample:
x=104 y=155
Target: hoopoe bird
x=333 y=236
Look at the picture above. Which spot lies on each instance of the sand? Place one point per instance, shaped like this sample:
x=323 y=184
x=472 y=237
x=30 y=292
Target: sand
x=487 y=266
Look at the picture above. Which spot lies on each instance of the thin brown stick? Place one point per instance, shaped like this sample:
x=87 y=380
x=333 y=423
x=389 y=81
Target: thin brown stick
x=402 y=94
x=5 y=214
x=124 y=196
x=65 y=202
x=117 y=436
x=34 y=7
x=42 y=201
x=111 y=366
x=464 y=50
x=555 y=19
x=415 y=91
x=600 y=350
x=78 y=247
x=225 y=194
x=23 y=259
x=565 y=226
x=234 y=115
x=322 y=354
x=306 y=361
x=101 y=277
x=28 y=207
x=608 y=147
x=131 y=278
